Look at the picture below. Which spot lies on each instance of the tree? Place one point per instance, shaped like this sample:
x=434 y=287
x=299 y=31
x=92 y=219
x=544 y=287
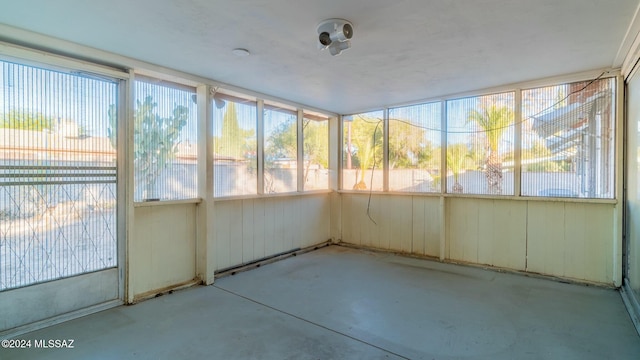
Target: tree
x=494 y=120
x=457 y=157
x=316 y=145
x=366 y=147
x=234 y=141
x=155 y=140
x=283 y=144
x=408 y=147
x=16 y=119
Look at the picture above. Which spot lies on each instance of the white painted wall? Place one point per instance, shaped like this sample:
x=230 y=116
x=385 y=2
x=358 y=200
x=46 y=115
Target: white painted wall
x=404 y=223
x=162 y=250
x=573 y=240
x=251 y=229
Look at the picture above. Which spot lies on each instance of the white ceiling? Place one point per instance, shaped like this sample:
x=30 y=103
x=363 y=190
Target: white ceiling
x=403 y=50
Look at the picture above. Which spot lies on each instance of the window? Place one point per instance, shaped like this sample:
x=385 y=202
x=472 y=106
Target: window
x=235 y=166
x=414 y=148
x=57 y=174
x=568 y=140
x=165 y=138
x=315 y=130
x=280 y=149
x=480 y=148
x=362 y=151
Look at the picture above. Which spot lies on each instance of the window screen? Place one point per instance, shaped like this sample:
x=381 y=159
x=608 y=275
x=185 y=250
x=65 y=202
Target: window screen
x=414 y=148
x=568 y=140
x=165 y=136
x=315 y=131
x=480 y=135
x=362 y=151
x=280 y=149
x=235 y=166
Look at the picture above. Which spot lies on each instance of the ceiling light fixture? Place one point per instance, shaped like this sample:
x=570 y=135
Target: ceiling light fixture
x=335 y=35
x=239 y=52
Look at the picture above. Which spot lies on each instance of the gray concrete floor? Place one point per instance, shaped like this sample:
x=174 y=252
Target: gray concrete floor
x=343 y=303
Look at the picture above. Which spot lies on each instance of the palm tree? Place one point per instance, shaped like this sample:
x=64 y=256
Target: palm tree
x=366 y=138
x=457 y=155
x=494 y=121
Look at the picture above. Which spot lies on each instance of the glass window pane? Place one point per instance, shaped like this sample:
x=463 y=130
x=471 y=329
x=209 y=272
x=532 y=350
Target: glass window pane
x=480 y=134
x=414 y=148
x=568 y=140
x=362 y=151
x=280 y=150
x=235 y=147
x=315 y=130
x=165 y=136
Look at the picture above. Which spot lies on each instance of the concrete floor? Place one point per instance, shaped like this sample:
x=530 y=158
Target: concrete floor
x=343 y=303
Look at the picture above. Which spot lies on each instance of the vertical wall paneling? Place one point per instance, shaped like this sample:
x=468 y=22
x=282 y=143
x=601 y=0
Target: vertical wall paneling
x=571 y=240
x=259 y=219
x=402 y=223
x=252 y=229
x=502 y=233
x=545 y=237
x=420 y=223
x=432 y=224
x=564 y=239
x=347 y=220
x=234 y=222
x=462 y=229
x=588 y=234
x=270 y=247
x=336 y=216
x=163 y=247
x=248 y=235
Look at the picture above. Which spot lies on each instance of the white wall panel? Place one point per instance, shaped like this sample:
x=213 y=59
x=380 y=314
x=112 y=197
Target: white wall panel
x=426 y=226
x=545 y=237
x=462 y=229
x=487 y=231
x=572 y=240
x=403 y=223
x=162 y=250
x=502 y=235
x=566 y=239
x=251 y=229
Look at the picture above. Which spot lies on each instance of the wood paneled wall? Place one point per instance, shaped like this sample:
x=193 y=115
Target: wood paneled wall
x=573 y=240
x=252 y=229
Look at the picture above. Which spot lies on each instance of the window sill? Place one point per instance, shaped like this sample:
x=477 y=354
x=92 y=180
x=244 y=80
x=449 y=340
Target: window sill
x=269 y=196
x=483 y=197
x=166 y=202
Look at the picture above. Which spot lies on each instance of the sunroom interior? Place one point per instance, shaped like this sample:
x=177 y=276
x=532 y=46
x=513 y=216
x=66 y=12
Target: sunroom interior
x=156 y=150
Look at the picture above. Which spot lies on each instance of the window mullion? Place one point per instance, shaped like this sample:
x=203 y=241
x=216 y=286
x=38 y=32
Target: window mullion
x=385 y=150
x=260 y=145
x=517 y=144
x=300 y=148
x=443 y=148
